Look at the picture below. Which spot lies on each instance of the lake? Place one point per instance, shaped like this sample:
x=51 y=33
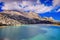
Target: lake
x=30 y=32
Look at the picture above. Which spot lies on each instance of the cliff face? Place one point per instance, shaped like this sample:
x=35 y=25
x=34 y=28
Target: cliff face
x=6 y=21
x=30 y=15
x=11 y=18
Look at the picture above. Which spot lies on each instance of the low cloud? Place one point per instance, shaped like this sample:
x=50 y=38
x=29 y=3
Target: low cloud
x=29 y=6
x=25 y=6
x=39 y=8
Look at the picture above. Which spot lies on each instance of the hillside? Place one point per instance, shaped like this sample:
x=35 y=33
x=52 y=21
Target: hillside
x=13 y=18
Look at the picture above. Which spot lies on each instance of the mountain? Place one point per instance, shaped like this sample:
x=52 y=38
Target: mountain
x=13 y=18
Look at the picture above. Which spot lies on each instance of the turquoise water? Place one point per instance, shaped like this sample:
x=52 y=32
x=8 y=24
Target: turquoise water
x=31 y=32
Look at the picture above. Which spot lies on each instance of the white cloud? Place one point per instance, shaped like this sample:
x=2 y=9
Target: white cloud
x=25 y=6
x=58 y=10
x=56 y=3
x=39 y=8
x=11 y=6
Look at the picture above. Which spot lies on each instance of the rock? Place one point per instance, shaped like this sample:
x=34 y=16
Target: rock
x=5 y=20
x=15 y=18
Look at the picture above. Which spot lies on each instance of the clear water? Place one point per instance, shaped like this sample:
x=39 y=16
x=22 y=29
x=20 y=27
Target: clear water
x=31 y=32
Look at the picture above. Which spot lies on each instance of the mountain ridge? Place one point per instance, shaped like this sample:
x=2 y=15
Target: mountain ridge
x=13 y=18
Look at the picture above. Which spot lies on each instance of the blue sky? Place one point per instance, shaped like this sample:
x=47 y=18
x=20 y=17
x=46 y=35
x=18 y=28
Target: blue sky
x=45 y=8
x=52 y=13
x=47 y=3
x=55 y=15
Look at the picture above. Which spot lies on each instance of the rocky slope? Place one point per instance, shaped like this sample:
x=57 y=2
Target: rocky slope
x=13 y=18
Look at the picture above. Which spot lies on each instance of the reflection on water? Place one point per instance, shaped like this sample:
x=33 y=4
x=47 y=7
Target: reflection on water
x=30 y=32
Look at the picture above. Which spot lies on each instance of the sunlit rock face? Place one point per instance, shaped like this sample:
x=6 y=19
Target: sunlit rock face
x=5 y=21
x=9 y=17
x=30 y=15
x=13 y=18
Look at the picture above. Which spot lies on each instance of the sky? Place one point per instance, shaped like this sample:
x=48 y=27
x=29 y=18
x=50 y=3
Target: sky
x=45 y=8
